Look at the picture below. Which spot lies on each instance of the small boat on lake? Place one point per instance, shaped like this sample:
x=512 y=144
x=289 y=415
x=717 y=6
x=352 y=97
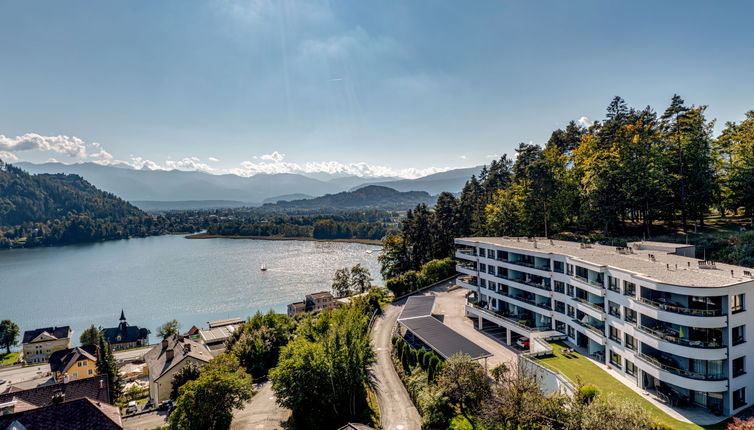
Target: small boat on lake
x=263 y=268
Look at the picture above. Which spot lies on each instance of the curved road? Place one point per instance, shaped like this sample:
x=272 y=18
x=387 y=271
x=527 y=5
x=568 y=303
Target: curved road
x=397 y=411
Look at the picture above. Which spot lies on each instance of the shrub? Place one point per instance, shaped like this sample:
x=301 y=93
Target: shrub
x=587 y=393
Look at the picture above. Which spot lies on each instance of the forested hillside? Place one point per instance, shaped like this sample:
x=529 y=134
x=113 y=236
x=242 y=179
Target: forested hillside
x=635 y=173
x=62 y=209
x=371 y=196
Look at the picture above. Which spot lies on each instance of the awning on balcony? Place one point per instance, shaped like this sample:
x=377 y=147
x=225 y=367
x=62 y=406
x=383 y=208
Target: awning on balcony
x=417 y=306
x=441 y=338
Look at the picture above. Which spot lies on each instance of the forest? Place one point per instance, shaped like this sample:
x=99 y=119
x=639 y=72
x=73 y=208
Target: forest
x=636 y=173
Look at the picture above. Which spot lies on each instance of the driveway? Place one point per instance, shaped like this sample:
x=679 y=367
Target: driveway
x=397 y=411
x=261 y=412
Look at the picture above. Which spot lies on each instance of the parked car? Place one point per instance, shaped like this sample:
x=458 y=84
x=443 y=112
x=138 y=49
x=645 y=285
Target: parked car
x=131 y=407
x=2 y=381
x=523 y=343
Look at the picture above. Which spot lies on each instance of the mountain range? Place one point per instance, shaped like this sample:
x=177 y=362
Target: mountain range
x=368 y=197
x=163 y=187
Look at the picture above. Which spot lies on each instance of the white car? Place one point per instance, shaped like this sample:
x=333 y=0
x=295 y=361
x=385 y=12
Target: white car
x=131 y=407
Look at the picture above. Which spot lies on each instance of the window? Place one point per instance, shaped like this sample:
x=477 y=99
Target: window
x=738 y=334
x=739 y=366
x=629 y=315
x=571 y=290
x=629 y=289
x=559 y=287
x=560 y=326
x=569 y=269
x=559 y=307
x=614 y=334
x=630 y=368
x=571 y=332
x=502 y=255
x=558 y=266
x=571 y=312
x=613 y=309
x=491 y=285
x=630 y=342
x=482 y=252
x=491 y=270
x=90 y=371
x=737 y=303
x=483 y=283
x=739 y=398
x=491 y=253
x=482 y=267
x=612 y=284
x=615 y=359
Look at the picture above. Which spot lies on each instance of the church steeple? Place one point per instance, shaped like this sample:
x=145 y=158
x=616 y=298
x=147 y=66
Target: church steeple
x=122 y=316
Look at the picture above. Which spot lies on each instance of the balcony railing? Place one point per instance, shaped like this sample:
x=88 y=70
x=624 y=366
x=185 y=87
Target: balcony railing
x=681 y=309
x=590 y=282
x=531 y=284
x=597 y=306
x=519 y=322
x=678 y=340
x=468 y=280
x=594 y=329
x=466 y=252
x=675 y=370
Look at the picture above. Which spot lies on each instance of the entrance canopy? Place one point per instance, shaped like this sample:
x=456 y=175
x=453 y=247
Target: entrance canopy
x=441 y=338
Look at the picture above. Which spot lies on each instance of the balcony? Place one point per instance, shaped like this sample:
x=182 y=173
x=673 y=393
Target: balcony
x=596 y=306
x=530 y=283
x=590 y=282
x=532 y=302
x=681 y=310
x=520 y=322
x=590 y=327
x=655 y=362
x=672 y=337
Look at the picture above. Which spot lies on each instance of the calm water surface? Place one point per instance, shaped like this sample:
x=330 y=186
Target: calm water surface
x=159 y=278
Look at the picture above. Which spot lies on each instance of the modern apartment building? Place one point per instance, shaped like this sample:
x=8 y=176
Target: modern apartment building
x=670 y=323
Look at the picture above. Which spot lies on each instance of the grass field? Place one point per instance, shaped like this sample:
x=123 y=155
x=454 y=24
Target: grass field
x=8 y=359
x=581 y=368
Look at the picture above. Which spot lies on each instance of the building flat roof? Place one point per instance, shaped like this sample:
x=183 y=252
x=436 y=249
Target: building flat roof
x=418 y=306
x=227 y=321
x=441 y=338
x=665 y=268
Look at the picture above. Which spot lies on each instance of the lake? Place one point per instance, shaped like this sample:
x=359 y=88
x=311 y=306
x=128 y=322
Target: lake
x=159 y=278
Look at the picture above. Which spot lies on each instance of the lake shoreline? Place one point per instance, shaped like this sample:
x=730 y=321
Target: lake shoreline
x=306 y=239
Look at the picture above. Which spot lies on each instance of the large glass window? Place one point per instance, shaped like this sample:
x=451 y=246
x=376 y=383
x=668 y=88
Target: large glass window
x=559 y=307
x=615 y=359
x=614 y=334
x=739 y=398
x=739 y=366
x=558 y=266
x=630 y=368
x=737 y=303
x=738 y=334
x=569 y=269
x=559 y=287
x=629 y=315
x=630 y=341
x=613 y=309
x=612 y=284
x=629 y=288
x=560 y=326
x=491 y=253
x=571 y=311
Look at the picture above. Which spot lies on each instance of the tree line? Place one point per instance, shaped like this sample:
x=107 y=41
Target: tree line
x=636 y=172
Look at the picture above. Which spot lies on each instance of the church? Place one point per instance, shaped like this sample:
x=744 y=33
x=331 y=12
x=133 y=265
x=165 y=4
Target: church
x=126 y=336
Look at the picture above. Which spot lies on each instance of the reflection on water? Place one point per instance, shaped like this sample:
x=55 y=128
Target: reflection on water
x=159 y=278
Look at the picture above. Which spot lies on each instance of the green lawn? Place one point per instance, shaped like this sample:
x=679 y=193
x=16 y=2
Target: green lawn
x=582 y=368
x=8 y=359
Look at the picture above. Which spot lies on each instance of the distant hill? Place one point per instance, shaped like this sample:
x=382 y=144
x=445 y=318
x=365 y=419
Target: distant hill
x=156 y=205
x=51 y=209
x=369 y=197
x=287 y=197
x=451 y=181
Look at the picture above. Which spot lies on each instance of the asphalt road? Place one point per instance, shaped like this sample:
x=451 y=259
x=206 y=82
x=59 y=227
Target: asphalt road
x=397 y=411
x=261 y=412
x=146 y=421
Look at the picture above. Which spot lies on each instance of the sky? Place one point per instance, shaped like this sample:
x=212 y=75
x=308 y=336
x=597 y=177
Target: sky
x=387 y=88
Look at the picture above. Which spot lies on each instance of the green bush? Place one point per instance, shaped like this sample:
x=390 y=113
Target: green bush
x=587 y=393
x=412 y=280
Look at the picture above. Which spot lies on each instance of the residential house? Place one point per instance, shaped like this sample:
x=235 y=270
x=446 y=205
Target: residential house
x=313 y=302
x=95 y=388
x=80 y=414
x=165 y=359
x=39 y=344
x=652 y=314
x=126 y=336
x=218 y=333
x=74 y=363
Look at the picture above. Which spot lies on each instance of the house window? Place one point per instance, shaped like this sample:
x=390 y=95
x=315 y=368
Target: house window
x=560 y=326
x=482 y=267
x=629 y=289
x=571 y=290
x=615 y=359
x=569 y=269
x=629 y=315
x=491 y=254
x=739 y=366
x=571 y=311
x=630 y=368
x=571 y=332
x=559 y=287
x=630 y=341
x=614 y=334
x=613 y=309
x=612 y=284
x=737 y=303
x=559 y=307
x=90 y=371
x=482 y=252
x=738 y=334
x=557 y=266
x=739 y=398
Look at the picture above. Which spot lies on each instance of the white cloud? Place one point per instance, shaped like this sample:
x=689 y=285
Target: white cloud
x=7 y=156
x=71 y=146
x=188 y=163
x=462 y=157
x=213 y=159
x=585 y=121
x=275 y=156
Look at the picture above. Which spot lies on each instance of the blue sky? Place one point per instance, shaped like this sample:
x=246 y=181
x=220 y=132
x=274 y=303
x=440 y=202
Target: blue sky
x=381 y=88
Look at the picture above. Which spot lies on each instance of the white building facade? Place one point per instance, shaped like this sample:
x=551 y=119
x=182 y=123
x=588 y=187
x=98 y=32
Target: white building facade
x=671 y=324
